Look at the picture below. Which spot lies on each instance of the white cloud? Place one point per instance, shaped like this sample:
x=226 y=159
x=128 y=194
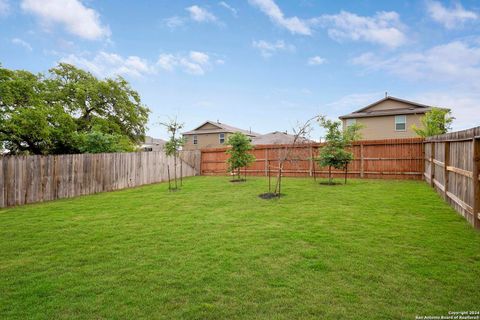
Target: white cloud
x=273 y=11
x=105 y=64
x=451 y=18
x=22 y=43
x=229 y=8
x=4 y=8
x=200 y=14
x=457 y=62
x=72 y=14
x=174 y=22
x=383 y=28
x=199 y=57
x=316 y=60
x=267 y=49
x=196 y=62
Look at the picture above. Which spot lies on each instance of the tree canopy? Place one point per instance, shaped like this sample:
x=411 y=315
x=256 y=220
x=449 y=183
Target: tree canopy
x=334 y=153
x=239 y=155
x=60 y=111
x=434 y=122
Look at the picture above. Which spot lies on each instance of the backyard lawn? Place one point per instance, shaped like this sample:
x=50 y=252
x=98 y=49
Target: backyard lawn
x=214 y=250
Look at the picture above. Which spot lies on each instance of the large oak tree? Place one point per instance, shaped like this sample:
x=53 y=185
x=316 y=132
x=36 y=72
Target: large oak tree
x=60 y=111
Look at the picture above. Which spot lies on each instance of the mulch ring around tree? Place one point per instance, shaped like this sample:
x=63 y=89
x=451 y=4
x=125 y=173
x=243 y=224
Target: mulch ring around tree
x=238 y=180
x=328 y=183
x=269 y=195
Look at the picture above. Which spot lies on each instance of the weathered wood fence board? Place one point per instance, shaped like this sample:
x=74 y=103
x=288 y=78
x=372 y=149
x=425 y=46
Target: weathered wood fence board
x=384 y=159
x=452 y=163
x=29 y=179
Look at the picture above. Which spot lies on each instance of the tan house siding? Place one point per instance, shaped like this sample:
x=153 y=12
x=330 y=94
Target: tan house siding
x=384 y=127
x=204 y=140
x=208 y=135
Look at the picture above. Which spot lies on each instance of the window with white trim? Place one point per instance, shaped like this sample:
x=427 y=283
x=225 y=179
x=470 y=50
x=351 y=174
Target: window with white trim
x=351 y=122
x=401 y=123
x=221 y=138
x=195 y=139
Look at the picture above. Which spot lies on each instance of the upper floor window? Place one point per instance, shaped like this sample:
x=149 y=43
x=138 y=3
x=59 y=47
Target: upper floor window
x=221 y=138
x=401 y=123
x=351 y=122
x=195 y=139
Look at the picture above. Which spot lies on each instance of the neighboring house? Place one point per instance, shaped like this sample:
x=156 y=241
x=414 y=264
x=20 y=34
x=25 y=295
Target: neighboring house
x=277 y=137
x=211 y=135
x=152 y=144
x=388 y=118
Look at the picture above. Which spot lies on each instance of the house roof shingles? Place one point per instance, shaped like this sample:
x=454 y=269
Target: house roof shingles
x=415 y=108
x=222 y=127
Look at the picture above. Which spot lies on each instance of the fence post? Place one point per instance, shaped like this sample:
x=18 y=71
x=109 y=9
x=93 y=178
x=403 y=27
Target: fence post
x=362 y=165
x=432 y=164
x=476 y=182
x=446 y=163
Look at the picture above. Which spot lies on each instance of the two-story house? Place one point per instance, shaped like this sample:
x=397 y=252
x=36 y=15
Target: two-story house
x=388 y=118
x=211 y=135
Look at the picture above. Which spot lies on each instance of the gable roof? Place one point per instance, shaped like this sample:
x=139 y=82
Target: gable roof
x=277 y=137
x=410 y=108
x=222 y=128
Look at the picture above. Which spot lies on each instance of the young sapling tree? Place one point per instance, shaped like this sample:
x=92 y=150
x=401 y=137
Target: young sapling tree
x=300 y=134
x=240 y=157
x=172 y=147
x=334 y=153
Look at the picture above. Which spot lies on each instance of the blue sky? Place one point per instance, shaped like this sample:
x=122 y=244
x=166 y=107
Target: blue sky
x=259 y=64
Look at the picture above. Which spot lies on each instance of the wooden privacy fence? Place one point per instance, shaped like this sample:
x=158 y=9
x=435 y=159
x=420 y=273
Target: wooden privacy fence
x=384 y=159
x=29 y=179
x=452 y=164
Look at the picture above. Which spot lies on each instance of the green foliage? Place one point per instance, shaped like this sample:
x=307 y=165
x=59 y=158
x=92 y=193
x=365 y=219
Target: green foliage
x=334 y=153
x=173 y=145
x=175 y=142
x=434 y=122
x=239 y=152
x=98 y=142
x=42 y=114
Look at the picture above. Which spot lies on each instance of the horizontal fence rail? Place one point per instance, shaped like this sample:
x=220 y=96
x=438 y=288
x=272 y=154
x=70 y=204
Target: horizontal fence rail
x=30 y=179
x=383 y=159
x=452 y=164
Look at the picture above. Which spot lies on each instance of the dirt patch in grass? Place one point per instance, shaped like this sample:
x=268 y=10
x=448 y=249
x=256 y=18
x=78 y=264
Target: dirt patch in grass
x=269 y=195
x=238 y=180
x=333 y=183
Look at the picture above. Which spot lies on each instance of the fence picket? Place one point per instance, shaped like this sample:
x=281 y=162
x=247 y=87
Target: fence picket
x=29 y=179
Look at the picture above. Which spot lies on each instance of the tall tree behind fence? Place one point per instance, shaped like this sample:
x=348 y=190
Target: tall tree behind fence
x=452 y=164
x=29 y=179
x=384 y=159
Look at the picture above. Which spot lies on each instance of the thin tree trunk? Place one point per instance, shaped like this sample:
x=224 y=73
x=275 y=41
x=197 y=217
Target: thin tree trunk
x=245 y=173
x=314 y=172
x=330 y=174
x=168 y=174
x=269 y=178
x=175 y=169
x=346 y=173
x=181 y=172
x=280 y=183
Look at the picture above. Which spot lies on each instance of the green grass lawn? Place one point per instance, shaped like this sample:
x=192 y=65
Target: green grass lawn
x=214 y=250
